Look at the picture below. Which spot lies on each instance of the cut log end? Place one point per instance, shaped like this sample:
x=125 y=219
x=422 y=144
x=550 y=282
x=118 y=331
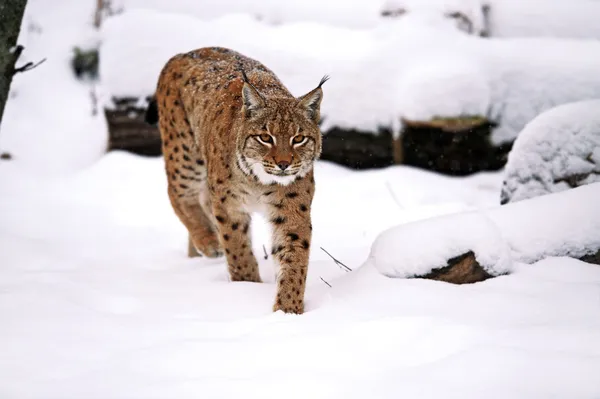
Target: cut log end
x=592 y=258
x=449 y=125
x=463 y=269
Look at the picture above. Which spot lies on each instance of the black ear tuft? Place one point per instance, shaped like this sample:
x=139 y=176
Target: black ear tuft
x=323 y=80
x=245 y=77
x=311 y=102
x=151 y=116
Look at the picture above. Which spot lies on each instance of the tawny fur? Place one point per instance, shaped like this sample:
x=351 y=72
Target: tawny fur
x=232 y=147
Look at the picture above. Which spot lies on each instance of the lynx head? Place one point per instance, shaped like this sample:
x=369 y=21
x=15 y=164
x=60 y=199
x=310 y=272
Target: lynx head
x=281 y=137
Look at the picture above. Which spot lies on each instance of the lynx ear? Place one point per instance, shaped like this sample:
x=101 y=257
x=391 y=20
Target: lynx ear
x=311 y=102
x=251 y=98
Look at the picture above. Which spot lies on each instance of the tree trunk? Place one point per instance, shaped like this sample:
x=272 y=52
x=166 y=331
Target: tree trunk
x=11 y=14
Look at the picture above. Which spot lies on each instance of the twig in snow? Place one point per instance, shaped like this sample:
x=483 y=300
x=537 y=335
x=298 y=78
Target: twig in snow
x=337 y=262
x=94 y=98
x=265 y=251
x=387 y=185
x=323 y=280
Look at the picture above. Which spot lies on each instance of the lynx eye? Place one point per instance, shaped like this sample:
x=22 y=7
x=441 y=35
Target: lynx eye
x=265 y=138
x=298 y=139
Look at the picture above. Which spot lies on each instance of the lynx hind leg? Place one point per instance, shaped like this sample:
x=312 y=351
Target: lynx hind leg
x=202 y=237
x=186 y=176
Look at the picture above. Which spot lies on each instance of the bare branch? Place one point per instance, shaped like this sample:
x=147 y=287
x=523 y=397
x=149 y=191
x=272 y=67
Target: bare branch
x=16 y=53
x=28 y=67
x=94 y=98
x=337 y=262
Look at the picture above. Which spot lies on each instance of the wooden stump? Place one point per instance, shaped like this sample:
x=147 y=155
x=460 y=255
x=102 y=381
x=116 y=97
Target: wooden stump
x=358 y=149
x=593 y=258
x=454 y=146
x=128 y=129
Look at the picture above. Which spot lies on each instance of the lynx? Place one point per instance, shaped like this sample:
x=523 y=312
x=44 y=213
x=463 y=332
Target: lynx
x=235 y=141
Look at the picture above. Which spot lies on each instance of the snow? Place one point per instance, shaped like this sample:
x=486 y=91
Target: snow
x=560 y=144
x=506 y=18
x=430 y=83
x=545 y=18
x=350 y=13
x=439 y=12
x=99 y=300
x=523 y=232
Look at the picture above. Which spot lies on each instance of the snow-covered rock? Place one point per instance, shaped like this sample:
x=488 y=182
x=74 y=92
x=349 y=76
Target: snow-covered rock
x=556 y=151
x=562 y=224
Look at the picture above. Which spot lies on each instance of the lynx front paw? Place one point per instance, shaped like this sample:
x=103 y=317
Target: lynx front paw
x=240 y=275
x=289 y=306
x=206 y=246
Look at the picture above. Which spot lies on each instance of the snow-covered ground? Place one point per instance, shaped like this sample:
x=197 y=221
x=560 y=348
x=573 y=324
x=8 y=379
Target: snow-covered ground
x=98 y=298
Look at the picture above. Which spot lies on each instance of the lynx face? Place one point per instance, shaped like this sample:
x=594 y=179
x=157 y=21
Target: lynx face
x=281 y=137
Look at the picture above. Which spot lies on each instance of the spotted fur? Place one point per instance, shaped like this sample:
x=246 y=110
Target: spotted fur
x=236 y=141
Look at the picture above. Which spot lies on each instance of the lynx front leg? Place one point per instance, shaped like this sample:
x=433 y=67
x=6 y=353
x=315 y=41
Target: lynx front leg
x=291 y=246
x=234 y=234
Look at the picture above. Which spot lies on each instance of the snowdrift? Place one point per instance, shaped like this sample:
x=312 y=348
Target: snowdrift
x=561 y=224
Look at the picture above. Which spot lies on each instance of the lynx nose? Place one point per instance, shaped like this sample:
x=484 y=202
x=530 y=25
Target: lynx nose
x=283 y=165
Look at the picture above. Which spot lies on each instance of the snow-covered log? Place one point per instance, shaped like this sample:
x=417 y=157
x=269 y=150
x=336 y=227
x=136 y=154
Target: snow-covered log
x=379 y=76
x=473 y=246
x=556 y=151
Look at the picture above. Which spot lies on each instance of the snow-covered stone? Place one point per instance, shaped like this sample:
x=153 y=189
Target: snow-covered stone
x=556 y=151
